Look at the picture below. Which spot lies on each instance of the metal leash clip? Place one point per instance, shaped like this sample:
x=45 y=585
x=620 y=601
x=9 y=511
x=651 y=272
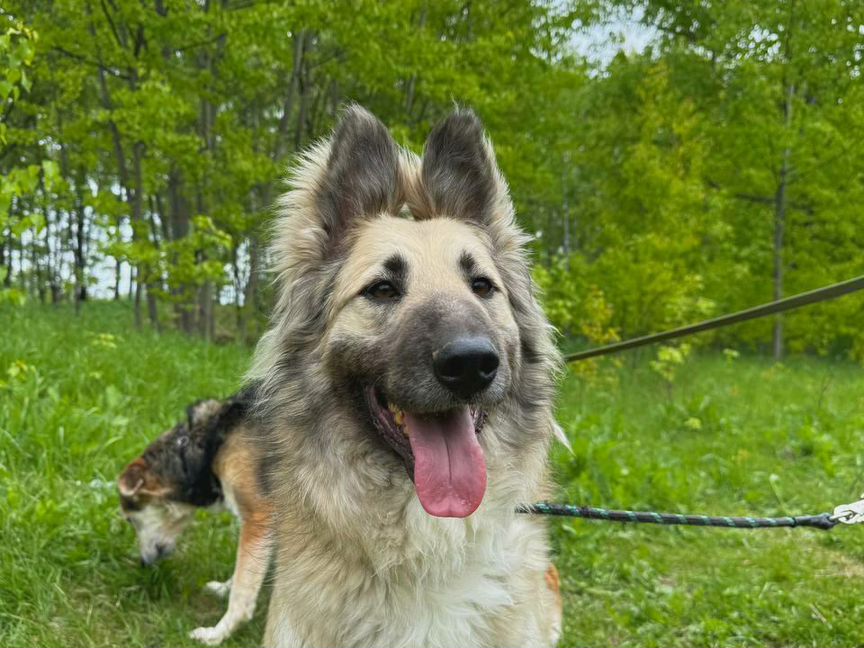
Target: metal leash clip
x=850 y=513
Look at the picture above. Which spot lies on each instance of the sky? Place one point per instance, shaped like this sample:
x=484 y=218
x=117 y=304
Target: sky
x=622 y=31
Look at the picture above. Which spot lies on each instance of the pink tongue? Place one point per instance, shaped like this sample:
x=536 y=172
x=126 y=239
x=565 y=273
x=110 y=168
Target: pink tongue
x=449 y=467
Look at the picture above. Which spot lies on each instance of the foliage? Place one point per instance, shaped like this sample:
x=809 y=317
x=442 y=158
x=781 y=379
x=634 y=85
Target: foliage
x=669 y=359
x=17 y=50
x=713 y=172
x=144 y=146
x=173 y=122
x=77 y=404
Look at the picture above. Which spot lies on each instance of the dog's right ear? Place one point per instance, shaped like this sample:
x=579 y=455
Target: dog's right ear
x=132 y=479
x=200 y=412
x=361 y=177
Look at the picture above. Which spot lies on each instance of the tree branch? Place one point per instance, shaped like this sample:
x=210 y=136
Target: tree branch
x=201 y=43
x=112 y=25
x=761 y=200
x=84 y=59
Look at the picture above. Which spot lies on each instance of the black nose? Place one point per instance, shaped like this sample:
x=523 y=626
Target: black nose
x=466 y=366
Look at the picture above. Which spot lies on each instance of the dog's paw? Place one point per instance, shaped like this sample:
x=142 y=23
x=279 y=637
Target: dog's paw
x=210 y=636
x=218 y=588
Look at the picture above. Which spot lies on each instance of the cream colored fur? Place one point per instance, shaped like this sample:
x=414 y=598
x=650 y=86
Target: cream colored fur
x=358 y=560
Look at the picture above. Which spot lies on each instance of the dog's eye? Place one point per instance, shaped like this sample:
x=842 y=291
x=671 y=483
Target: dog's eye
x=482 y=287
x=382 y=291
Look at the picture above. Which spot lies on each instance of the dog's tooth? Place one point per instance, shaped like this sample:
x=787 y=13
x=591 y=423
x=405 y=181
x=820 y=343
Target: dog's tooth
x=399 y=417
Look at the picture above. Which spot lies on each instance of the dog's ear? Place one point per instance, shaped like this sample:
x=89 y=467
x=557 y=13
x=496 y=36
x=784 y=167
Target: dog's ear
x=235 y=410
x=356 y=173
x=138 y=480
x=459 y=176
x=361 y=176
x=132 y=479
x=199 y=412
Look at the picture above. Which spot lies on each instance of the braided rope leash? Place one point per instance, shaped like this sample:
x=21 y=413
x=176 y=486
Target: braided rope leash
x=844 y=514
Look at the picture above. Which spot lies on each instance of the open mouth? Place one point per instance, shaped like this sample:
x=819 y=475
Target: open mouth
x=440 y=450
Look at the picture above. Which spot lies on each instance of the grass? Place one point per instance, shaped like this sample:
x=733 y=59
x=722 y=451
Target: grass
x=730 y=437
x=81 y=396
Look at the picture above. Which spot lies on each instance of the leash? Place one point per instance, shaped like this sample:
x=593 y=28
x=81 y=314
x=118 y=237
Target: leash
x=844 y=514
x=772 y=308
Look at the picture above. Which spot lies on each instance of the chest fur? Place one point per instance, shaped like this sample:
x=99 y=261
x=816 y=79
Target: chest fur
x=466 y=586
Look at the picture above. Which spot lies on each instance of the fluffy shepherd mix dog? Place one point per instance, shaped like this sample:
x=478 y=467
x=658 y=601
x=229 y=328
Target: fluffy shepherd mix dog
x=406 y=400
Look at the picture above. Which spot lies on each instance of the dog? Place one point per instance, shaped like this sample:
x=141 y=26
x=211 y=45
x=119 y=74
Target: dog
x=203 y=462
x=405 y=406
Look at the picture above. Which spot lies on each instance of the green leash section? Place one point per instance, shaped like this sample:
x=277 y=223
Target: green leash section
x=843 y=514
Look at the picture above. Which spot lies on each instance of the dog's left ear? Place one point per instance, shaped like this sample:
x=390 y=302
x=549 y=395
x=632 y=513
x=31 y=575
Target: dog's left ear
x=459 y=175
x=132 y=479
x=233 y=412
x=362 y=173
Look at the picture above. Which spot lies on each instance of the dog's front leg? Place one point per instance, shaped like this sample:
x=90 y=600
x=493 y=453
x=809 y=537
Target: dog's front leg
x=253 y=553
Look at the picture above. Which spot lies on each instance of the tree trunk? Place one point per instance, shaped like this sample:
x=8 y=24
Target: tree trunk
x=131 y=199
x=252 y=300
x=153 y=307
x=8 y=245
x=411 y=86
x=781 y=196
x=38 y=286
x=52 y=260
x=137 y=300
x=133 y=191
x=208 y=114
x=154 y=279
x=180 y=218
x=238 y=295
x=4 y=259
x=78 y=251
x=206 y=324
x=252 y=297
x=779 y=236
x=281 y=140
x=305 y=86
x=566 y=244
x=118 y=274
x=136 y=200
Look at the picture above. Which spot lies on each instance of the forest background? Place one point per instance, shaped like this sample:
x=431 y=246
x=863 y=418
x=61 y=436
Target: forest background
x=714 y=165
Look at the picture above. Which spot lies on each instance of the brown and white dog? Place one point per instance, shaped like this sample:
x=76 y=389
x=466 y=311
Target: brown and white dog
x=203 y=462
x=406 y=399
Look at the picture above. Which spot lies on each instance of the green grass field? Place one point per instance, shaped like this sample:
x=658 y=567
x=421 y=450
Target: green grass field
x=79 y=397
